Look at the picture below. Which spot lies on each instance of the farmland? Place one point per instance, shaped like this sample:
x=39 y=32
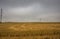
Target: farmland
x=30 y=30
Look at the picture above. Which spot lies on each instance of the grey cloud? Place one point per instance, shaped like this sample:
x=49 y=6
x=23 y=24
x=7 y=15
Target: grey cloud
x=41 y=9
x=12 y=3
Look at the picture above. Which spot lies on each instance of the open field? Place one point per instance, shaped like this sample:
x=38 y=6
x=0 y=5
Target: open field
x=30 y=30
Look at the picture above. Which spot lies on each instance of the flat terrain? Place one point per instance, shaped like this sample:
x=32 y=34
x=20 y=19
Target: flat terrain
x=30 y=30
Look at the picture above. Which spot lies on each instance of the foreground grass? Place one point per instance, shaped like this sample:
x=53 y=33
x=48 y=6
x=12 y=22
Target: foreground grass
x=39 y=34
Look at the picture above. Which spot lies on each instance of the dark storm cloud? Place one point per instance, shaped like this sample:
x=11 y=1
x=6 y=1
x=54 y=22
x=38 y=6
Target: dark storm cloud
x=29 y=10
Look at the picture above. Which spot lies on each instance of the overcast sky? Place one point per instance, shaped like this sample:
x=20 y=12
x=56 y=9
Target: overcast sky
x=30 y=10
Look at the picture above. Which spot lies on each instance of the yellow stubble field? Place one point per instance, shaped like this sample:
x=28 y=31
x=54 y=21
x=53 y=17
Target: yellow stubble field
x=30 y=30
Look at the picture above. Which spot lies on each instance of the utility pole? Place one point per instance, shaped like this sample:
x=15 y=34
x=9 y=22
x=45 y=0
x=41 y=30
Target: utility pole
x=40 y=19
x=1 y=15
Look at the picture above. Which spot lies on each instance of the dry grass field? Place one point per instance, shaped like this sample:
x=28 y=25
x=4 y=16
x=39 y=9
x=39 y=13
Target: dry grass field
x=30 y=30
